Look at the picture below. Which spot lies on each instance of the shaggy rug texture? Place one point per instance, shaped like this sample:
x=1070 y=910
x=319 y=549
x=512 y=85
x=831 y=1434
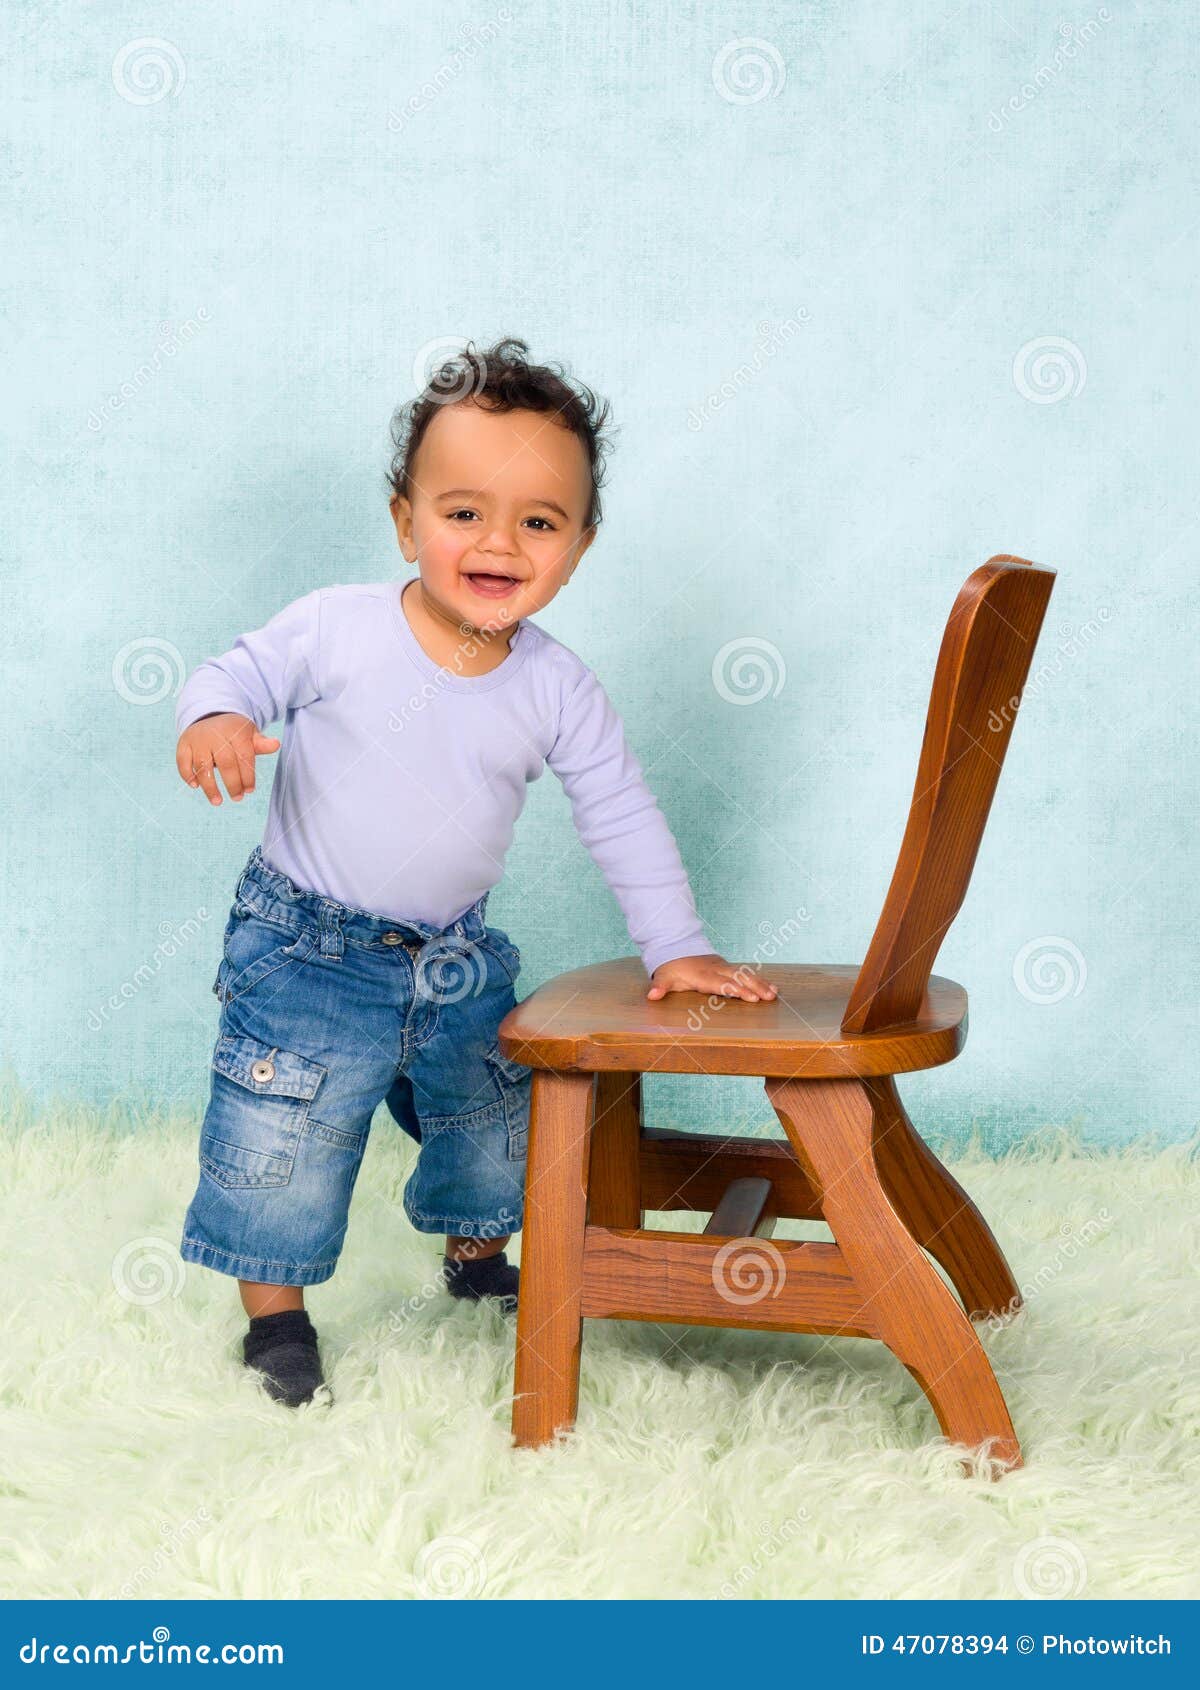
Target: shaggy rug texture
x=139 y=1459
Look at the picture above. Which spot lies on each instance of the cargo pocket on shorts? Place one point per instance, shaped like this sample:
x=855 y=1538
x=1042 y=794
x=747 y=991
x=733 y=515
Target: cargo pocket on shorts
x=515 y=1083
x=258 y=1110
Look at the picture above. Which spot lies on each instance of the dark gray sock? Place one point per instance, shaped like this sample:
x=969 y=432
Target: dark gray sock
x=283 y=1348
x=488 y=1276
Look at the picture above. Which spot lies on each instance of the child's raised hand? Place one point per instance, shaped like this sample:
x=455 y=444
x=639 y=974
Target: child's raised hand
x=227 y=742
x=710 y=973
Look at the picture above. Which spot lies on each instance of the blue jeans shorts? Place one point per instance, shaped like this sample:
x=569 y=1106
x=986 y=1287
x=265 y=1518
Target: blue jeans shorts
x=327 y=1012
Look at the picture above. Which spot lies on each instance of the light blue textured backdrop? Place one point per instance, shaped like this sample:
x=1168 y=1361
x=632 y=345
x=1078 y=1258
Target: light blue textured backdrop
x=876 y=291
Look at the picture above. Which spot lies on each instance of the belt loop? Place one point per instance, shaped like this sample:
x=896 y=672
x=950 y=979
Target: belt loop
x=247 y=871
x=329 y=925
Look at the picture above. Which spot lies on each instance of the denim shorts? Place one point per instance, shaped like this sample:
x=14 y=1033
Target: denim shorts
x=327 y=1012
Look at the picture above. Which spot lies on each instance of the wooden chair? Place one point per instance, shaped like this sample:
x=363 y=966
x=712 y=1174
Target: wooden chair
x=829 y=1047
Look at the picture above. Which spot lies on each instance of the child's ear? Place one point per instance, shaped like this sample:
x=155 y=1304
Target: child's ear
x=401 y=509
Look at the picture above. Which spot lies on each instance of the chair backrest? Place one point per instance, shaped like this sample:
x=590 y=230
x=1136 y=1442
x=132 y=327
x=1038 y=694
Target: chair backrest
x=981 y=669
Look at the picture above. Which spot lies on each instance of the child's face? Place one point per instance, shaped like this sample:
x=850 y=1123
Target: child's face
x=496 y=518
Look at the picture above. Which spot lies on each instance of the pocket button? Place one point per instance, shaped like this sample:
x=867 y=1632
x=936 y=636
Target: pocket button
x=262 y=1071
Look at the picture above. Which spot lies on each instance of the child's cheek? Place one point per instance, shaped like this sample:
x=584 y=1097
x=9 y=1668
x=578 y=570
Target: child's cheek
x=447 y=547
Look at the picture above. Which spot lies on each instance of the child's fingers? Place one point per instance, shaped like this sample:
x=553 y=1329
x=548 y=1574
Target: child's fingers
x=735 y=985
x=231 y=771
x=245 y=763
x=263 y=743
x=748 y=990
x=207 y=782
x=183 y=762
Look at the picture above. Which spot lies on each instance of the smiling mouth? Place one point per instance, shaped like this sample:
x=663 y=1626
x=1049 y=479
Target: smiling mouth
x=491 y=586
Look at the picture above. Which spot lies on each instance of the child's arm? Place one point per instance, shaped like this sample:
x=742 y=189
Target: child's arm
x=228 y=700
x=618 y=819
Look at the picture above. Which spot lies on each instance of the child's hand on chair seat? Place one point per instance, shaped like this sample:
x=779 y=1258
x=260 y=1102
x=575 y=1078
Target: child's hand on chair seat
x=710 y=973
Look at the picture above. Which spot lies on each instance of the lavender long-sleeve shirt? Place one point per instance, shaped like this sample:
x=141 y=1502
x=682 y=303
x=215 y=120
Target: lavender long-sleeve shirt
x=399 y=781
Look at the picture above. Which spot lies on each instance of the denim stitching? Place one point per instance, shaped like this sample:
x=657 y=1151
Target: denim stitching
x=289 y=954
x=260 y=893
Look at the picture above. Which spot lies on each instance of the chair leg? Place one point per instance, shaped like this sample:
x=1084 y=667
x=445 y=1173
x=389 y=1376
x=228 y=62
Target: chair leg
x=615 y=1180
x=937 y=1211
x=830 y=1124
x=549 y=1322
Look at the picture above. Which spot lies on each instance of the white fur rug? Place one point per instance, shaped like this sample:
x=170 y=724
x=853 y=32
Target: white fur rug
x=141 y=1459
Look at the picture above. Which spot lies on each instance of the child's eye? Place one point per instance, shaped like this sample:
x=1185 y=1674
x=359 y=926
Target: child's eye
x=466 y=511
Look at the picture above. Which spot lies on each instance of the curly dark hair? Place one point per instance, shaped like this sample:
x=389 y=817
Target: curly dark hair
x=501 y=379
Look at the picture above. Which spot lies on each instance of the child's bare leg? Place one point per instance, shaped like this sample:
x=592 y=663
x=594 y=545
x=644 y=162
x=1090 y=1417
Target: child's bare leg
x=269 y=1299
x=474 y=1249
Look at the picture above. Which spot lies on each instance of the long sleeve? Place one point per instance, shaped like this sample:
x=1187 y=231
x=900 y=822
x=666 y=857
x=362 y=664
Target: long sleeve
x=266 y=673
x=618 y=819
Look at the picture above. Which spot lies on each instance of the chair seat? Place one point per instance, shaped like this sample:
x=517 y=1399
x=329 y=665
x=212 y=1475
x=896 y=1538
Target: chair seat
x=599 y=1018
